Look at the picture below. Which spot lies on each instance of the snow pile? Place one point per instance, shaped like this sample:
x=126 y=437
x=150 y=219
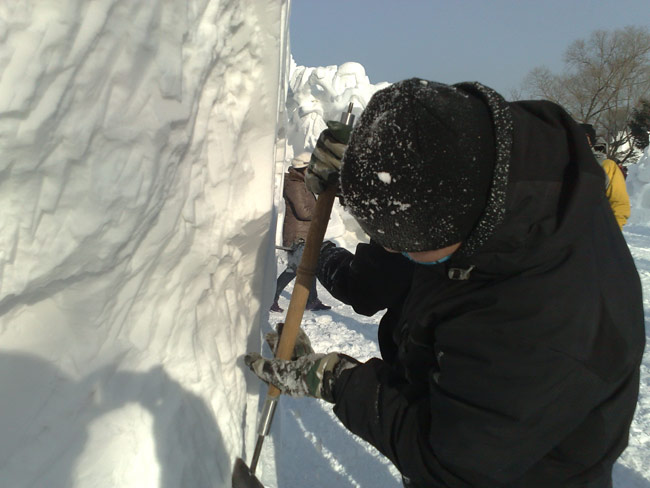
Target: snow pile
x=137 y=173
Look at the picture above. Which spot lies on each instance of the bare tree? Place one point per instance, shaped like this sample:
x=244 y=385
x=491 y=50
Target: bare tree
x=605 y=76
x=640 y=124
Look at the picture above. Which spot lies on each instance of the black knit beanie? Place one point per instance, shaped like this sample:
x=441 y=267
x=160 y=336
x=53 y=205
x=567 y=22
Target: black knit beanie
x=418 y=170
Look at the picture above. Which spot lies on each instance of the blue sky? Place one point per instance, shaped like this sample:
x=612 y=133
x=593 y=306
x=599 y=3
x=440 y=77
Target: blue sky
x=496 y=42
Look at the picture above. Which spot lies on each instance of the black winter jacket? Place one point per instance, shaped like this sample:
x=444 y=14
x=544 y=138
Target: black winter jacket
x=516 y=364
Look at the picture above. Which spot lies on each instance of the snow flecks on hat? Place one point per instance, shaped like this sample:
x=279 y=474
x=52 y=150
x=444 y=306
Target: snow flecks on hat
x=384 y=177
x=436 y=144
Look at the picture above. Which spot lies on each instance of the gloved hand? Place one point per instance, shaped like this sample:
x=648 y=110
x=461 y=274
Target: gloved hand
x=302 y=346
x=327 y=246
x=325 y=163
x=307 y=374
x=331 y=260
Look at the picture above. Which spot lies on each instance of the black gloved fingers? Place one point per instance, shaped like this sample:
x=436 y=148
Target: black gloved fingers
x=331 y=260
x=327 y=245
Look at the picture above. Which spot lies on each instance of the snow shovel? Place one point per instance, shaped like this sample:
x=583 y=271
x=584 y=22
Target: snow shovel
x=243 y=476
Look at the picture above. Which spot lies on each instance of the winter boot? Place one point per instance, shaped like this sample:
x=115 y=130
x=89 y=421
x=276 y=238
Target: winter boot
x=276 y=308
x=316 y=306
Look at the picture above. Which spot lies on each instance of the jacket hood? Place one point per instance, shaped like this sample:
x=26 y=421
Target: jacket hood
x=546 y=185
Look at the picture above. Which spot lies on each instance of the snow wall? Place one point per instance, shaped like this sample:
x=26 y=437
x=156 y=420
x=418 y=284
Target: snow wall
x=137 y=146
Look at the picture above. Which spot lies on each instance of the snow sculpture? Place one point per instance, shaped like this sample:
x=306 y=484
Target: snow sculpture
x=320 y=94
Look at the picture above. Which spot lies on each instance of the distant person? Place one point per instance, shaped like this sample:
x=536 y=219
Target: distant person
x=615 y=189
x=513 y=332
x=299 y=207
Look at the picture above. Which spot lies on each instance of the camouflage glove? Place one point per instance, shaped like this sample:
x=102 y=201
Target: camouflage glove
x=307 y=374
x=325 y=163
x=311 y=375
x=301 y=348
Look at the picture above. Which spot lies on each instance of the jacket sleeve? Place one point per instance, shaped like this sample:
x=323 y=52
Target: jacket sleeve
x=300 y=199
x=495 y=404
x=369 y=280
x=617 y=192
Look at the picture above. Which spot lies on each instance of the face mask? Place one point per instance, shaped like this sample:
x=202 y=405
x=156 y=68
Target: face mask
x=429 y=263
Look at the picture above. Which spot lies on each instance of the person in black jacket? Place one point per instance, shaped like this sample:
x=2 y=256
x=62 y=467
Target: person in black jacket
x=514 y=329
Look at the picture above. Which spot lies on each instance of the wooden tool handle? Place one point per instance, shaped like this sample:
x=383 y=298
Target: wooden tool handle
x=305 y=276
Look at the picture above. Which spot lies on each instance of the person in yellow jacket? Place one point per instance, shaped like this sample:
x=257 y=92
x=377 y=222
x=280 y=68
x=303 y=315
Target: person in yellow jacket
x=616 y=190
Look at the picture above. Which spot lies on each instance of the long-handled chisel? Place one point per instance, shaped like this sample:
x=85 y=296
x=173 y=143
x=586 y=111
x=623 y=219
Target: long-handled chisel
x=243 y=476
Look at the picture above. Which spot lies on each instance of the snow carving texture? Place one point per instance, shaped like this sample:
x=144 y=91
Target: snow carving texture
x=317 y=95
x=136 y=154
